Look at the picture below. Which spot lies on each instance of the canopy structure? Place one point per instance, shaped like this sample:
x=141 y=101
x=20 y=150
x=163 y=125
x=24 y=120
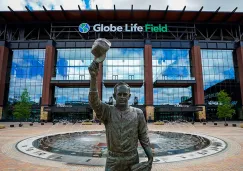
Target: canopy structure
x=97 y=14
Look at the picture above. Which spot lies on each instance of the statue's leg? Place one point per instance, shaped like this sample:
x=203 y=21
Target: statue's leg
x=112 y=164
x=128 y=161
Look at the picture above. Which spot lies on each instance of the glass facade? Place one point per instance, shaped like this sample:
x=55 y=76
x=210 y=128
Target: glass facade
x=124 y=64
x=171 y=96
x=27 y=70
x=72 y=64
x=219 y=73
x=171 y=64
x=71 y=95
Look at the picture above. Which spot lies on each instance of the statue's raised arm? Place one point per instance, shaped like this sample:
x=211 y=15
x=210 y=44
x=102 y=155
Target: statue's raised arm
x=99 y=49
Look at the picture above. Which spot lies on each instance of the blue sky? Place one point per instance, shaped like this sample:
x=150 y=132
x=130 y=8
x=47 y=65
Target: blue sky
x=122 y=4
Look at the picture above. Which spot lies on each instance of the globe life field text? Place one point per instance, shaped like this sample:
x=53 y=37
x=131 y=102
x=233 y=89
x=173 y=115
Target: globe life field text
x=130 y=28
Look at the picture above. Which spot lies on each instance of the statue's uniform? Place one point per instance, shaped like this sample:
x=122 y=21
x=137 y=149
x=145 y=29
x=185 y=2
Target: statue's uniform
x=123 y=130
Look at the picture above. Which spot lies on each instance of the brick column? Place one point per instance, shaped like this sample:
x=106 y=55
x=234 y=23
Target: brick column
x=148 y=80
x=198 y=91
x=47 y=90
x=239 y=54
x=4 y=53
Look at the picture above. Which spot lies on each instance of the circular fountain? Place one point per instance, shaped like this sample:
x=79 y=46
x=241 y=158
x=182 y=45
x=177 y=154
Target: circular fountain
x=89 y=147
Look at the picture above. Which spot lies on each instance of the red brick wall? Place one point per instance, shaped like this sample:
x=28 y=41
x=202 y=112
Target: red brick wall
x=198 y=90
x=48 y=72
x=4 y=52
x=148 y=75
x=239 y=53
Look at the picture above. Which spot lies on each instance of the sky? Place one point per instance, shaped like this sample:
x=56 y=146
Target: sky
x=191 y=5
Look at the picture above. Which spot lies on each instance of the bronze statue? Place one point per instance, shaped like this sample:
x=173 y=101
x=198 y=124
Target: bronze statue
x=125 y=125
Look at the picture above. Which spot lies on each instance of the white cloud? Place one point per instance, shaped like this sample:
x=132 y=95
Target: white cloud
x=18 y=5
x=14 y=4
x=173 y=4
x=124 y=4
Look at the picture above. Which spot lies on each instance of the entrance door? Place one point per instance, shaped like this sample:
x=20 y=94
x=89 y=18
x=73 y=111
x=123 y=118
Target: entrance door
x=71 y=117
x=174 y=116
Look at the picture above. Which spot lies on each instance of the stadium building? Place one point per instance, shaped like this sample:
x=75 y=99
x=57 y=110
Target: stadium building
x=174 y=61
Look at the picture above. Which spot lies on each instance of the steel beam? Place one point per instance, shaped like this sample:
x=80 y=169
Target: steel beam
x=15 y=14
x=48 y=14
x=64 y=13
x=148 y=13
x=115 y=12
x=227 y=17
x=31 y=13
x=213 y=15
x=97 y=13
x=165 y=13
x=181 y=14
x=132 y=12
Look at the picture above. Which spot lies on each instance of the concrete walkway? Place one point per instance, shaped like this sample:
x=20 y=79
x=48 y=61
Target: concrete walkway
x=229 y=160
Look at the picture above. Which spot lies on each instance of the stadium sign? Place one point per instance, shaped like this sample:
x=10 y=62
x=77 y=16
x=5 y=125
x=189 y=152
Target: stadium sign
x=85 y=28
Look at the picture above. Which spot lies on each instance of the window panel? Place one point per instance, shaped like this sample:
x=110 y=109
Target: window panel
x=219 y=76
x=172 y=96
x=27 y=71
x=72 y=64
x=170 y=64
x=120 y=62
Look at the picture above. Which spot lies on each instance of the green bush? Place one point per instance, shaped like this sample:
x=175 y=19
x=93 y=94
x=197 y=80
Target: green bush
x=225 y=107
x=22 y=109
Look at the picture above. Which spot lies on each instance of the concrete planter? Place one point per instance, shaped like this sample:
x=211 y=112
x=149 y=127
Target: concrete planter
x=2 y=126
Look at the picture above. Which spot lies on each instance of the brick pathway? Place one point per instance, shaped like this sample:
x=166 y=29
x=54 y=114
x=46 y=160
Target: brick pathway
x=229 y=160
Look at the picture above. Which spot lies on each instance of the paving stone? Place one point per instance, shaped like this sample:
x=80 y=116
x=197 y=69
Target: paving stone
x=228 y=160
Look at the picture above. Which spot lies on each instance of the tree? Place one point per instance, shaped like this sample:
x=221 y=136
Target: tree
x=22 y=109
x=224 y=107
